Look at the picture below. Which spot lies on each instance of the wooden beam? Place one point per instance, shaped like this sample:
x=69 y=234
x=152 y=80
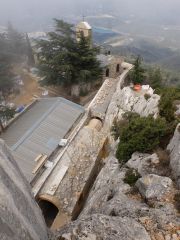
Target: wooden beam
x=40 y=164
x=38 y=157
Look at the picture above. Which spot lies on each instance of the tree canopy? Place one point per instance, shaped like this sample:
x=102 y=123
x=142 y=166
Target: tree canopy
x=167 y=107
x=137 y=73
x=141 y=134
x=155 y=78
x=16 y=42
x=64 y=61
x=13 y=48
x=6 y=81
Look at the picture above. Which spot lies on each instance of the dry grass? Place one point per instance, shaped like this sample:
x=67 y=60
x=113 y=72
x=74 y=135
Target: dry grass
x=163 y=156
x=177 y=201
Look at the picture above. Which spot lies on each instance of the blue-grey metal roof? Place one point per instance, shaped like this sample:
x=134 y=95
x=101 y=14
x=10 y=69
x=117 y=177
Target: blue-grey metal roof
x=39 y=129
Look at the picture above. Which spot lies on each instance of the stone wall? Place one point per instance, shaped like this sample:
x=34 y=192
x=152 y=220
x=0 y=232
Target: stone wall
x=20 y=217
x=115 y=67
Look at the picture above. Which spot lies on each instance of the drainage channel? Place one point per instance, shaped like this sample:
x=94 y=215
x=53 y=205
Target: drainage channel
x=104 y=152
x=49 y=207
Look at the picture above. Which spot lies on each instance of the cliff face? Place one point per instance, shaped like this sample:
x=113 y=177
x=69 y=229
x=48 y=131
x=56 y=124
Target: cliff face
x=116 y=210
x=174 y=148
x=20 y=217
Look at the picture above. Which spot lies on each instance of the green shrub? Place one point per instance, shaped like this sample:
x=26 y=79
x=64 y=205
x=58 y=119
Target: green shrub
x=142 y=134
x=117 y=127
x=137 y=74
x=131 y=177
x=155 y=78
x=164 y=158
x=83 y=92
x=166 y=105
x=147 y=96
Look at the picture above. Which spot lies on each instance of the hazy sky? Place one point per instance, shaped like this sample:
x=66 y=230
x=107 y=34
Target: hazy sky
x=31 y=12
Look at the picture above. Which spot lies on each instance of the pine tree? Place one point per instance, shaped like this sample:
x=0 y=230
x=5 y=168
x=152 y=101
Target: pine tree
x=87 y=64
x=6 y=76
x=6 y=113
x=6 y=79
x=16 y=42
x=30 y=55
x=65 y=61
x=157 y=79
x=137 y=73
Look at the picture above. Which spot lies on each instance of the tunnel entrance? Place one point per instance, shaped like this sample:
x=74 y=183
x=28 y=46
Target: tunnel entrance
x=49 y=210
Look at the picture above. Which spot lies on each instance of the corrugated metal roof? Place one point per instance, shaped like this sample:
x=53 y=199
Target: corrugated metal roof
x=39 y=130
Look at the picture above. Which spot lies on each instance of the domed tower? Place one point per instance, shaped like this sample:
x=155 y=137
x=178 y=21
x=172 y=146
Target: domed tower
x=85 y=29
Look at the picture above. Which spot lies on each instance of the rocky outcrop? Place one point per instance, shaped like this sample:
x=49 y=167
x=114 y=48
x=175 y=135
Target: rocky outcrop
x=111 y=197
x=155 y=187
x=127 y=99
x=108 y=195
x=20 y=217
x=174 y=149
x=113 y=208
x=130 y=100
x=144 y=163
x=100 y=227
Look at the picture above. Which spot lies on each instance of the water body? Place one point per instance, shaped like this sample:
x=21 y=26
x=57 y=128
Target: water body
x=103 y=30
x=100 y=35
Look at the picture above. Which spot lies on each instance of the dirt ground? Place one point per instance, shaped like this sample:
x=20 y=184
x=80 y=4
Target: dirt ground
x=31 y=90
x=28 y=91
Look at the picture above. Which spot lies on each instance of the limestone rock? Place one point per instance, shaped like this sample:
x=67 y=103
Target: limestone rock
x=143 y=163
x=154 y=187
x=174 y=148
x=164 y=215
x=126 y=99
x=112 y=197
x=107 y=185
x=129 y=100
x=109 y=194
x=98 y=227
x=20 y=216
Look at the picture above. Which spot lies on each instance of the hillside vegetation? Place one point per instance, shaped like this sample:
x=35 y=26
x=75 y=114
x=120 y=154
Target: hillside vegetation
x=146 y=134
x=154 y=54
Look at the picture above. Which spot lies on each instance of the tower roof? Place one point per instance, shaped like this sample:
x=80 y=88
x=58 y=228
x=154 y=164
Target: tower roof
x=84 y=25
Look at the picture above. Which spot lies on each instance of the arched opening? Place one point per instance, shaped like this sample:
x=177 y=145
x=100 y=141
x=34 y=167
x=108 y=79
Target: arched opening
x=95 y=123
x=49 y=210
x=107 y=72
x=118 y=68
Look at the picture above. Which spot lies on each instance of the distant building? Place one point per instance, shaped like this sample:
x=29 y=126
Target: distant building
x=85 y=29
x=111 y=64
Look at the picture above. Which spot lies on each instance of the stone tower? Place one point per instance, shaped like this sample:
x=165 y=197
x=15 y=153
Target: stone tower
x=85 y=29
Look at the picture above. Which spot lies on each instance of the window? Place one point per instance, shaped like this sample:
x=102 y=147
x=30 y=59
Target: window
x=107 y=72
x=118 y=68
